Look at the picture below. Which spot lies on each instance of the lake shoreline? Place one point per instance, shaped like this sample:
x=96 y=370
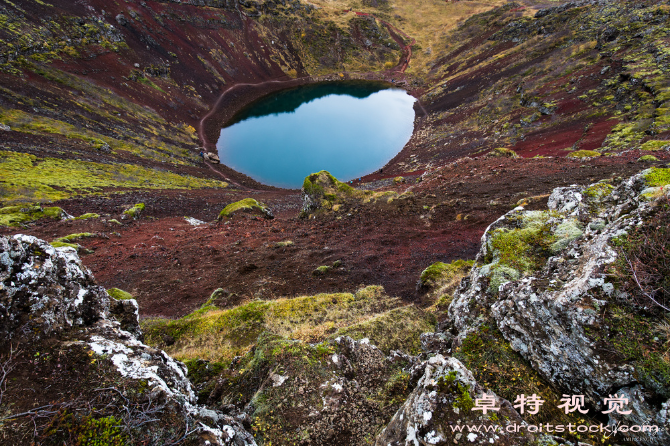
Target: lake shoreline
x=239 y=96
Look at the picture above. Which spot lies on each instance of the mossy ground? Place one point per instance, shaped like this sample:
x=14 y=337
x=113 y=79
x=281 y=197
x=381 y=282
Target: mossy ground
x=637 y=328
x=18 y=215
x=441 y=280
x=654 y=145
x=642 y=341
x=87 y=215
x=504 y=152
x=221 y=334
x=80 y=403
x=584 y=154
x=397 y=329
x=74 y=237
x=65 y=245
x=307 y=370
x=658 y=176
x=25 y=178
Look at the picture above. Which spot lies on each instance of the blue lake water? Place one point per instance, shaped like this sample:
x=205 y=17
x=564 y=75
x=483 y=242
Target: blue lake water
x=347 y=128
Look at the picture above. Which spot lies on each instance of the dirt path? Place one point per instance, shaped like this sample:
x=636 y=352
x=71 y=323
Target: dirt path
x=395 y=35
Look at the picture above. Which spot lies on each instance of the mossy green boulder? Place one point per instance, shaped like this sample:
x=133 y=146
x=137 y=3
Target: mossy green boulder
x=320 y=271
x=134 y=212
x=321 y=190
x=246 y=206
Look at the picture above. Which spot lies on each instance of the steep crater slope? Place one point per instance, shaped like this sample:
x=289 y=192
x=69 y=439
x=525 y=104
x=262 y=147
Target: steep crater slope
x=127 y=84
x=73 y=134
x=580 y=79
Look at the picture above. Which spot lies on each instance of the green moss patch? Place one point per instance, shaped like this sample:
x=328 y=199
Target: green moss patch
x=74 y=237
x=135 y=211
x=443 y=271
x=18 y=215
x=564 y=233
x=65 y=245
x=503 y=152
x=87 y=216
x=119 y=294
x=598 y=191
x=513 y=252
x=321 y=270
x=584 y=154
x=658 y=176
x=247 y=205
x=654 y=146
x=647 y=158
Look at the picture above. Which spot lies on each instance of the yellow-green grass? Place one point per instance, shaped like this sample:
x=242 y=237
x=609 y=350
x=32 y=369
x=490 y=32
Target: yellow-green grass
x=427 y=21
x=654 y=145
x=26 y=178
x=221 y=334
x=119 y=294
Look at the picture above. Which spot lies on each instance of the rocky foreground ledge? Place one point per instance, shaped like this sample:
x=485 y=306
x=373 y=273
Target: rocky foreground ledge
x=85 y=344
x=74 y=366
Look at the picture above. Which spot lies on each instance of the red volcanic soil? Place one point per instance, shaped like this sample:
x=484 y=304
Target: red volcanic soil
x=172 y=267
x=555 y=141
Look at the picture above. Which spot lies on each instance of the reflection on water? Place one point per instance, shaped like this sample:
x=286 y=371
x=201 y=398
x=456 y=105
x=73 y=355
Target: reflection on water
x=349 y=129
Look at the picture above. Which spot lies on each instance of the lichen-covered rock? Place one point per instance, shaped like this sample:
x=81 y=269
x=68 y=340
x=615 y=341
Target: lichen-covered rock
x=246 y=206
x=45 y=290
x=47 y=296
x=440 y=409
x=552 y=312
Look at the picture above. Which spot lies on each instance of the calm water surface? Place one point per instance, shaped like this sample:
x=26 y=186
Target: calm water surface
x=348 y=129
